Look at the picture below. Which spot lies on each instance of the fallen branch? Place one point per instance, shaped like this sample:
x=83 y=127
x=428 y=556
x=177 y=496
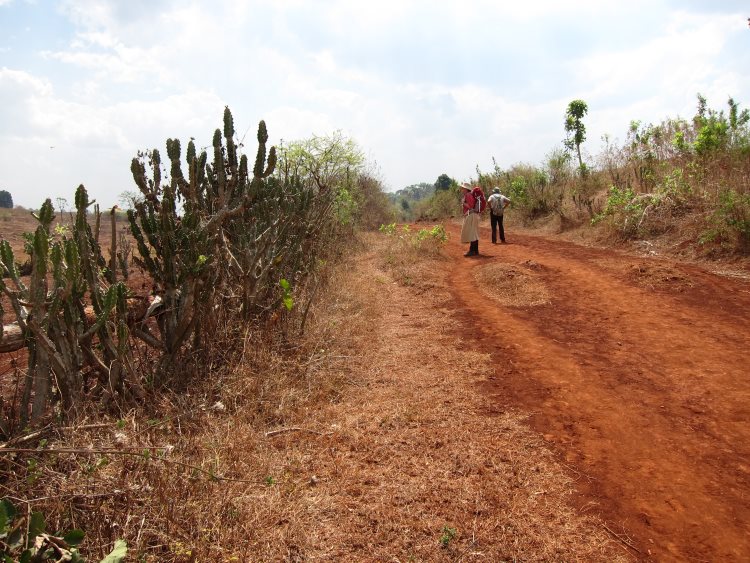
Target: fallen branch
x=89 y=426
x=144 y=454
x=272 y=433
x=579 y=473
x=21 y=439
x=622 y=539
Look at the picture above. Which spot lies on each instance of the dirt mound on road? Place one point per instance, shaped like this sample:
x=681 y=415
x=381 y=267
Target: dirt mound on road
x=513 y=285
x=651 y=275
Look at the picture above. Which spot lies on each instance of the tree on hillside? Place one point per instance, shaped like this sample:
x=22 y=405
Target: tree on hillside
x=443 y=182
x=6 y=200
x=418 y=191
x=575 y=129
x=374 y=207
x=413 y=193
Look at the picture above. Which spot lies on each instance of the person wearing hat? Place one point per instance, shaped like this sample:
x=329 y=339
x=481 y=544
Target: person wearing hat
x=470 y=229
x=497 y=202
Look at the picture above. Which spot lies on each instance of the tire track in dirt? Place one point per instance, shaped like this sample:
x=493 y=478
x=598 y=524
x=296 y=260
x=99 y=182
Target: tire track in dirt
x=644 y=389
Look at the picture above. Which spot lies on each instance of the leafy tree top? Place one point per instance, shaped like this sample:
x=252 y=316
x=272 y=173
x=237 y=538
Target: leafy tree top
x=6 y=200
x=443 y=182
x=574 y=127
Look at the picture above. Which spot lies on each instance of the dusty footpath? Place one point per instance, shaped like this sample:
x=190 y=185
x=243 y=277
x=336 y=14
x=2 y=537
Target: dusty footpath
x=636 y=371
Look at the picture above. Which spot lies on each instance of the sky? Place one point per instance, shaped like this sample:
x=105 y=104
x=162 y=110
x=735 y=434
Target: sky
x=424 y=87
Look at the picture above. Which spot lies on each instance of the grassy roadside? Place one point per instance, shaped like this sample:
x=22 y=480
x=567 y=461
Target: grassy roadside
x=365 y=440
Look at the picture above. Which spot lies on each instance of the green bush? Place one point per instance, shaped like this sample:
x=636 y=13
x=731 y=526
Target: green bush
x=424 y=240
x=622 y=211
x=530 y=191
x=443 y=203
x=730 y=222
x=26 y=540
x=675 y=187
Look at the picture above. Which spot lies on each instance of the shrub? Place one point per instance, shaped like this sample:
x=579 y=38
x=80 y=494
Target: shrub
x=31 y=542
x=530 y=190
x=443 y=203
x=431 y=240
x=407 y=248
x=623 y=211
x=216 y=239
x=730 y=221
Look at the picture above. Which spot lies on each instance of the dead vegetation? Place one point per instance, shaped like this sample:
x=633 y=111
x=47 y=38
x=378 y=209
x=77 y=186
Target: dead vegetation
x=651 y=275
x=367 y=440
x=513 y=285
x=654 y=276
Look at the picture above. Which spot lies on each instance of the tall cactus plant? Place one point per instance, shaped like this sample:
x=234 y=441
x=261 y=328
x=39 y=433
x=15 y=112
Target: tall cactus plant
x=216 y=239
x=64 y=339
x=184 y=254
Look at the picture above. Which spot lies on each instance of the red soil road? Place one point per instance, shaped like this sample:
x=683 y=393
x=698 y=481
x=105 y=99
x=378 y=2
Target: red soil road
x=643 y=391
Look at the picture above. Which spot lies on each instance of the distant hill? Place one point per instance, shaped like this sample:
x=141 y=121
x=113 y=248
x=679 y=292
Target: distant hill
x=415 y=192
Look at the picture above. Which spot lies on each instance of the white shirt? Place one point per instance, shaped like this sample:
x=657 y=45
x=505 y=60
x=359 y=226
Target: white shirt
x=496 y=201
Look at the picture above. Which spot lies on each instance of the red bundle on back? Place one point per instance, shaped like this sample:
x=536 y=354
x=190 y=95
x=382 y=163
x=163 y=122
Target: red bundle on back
x=480 y=202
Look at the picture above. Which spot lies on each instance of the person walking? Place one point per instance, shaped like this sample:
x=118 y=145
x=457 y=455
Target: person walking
x=470 y=229
x=497 y=202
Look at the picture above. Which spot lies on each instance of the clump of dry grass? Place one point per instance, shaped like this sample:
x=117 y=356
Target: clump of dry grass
x=403 y=251
x=654 y=276
x=651 y=275
x=512 y=285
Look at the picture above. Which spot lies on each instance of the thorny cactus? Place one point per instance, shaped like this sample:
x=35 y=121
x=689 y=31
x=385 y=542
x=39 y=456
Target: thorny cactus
x=187 y=255
x=217 y=241
x=65 y=340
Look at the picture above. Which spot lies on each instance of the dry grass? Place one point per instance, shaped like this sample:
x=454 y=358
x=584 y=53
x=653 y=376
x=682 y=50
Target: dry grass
x=512 y=285
x=403 y=256
x=651 y=275
x=367 y=440
x=15 y=222
x=654 y=276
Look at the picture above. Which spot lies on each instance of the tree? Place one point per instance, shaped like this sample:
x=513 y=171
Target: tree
x=331 y=161
x=374 y=206
x=443 y=182
x=6 y=200
x=575 y=129
x=62 y=204
x=129 y=199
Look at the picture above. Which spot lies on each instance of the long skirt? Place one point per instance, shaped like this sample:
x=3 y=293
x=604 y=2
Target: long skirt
x=470 y=230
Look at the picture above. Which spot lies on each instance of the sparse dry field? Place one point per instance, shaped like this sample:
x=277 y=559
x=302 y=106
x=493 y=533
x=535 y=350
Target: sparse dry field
x=546 y=401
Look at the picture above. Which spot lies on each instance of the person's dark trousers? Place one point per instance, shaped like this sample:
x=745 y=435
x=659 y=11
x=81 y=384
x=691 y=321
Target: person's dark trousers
x=497 y=222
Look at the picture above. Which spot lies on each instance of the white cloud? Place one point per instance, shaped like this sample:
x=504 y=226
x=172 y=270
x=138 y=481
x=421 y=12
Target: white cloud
x=685 y=55
x=424 y=87
x=661 y=77
x=97 y=142
x=110 y=59
x=19 y=96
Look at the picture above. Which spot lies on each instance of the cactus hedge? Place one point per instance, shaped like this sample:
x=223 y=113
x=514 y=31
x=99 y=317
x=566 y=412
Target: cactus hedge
x=221 y=240
x=68 y=344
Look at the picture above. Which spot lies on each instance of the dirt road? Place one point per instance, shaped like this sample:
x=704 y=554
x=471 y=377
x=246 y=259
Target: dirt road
x=637 y=372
